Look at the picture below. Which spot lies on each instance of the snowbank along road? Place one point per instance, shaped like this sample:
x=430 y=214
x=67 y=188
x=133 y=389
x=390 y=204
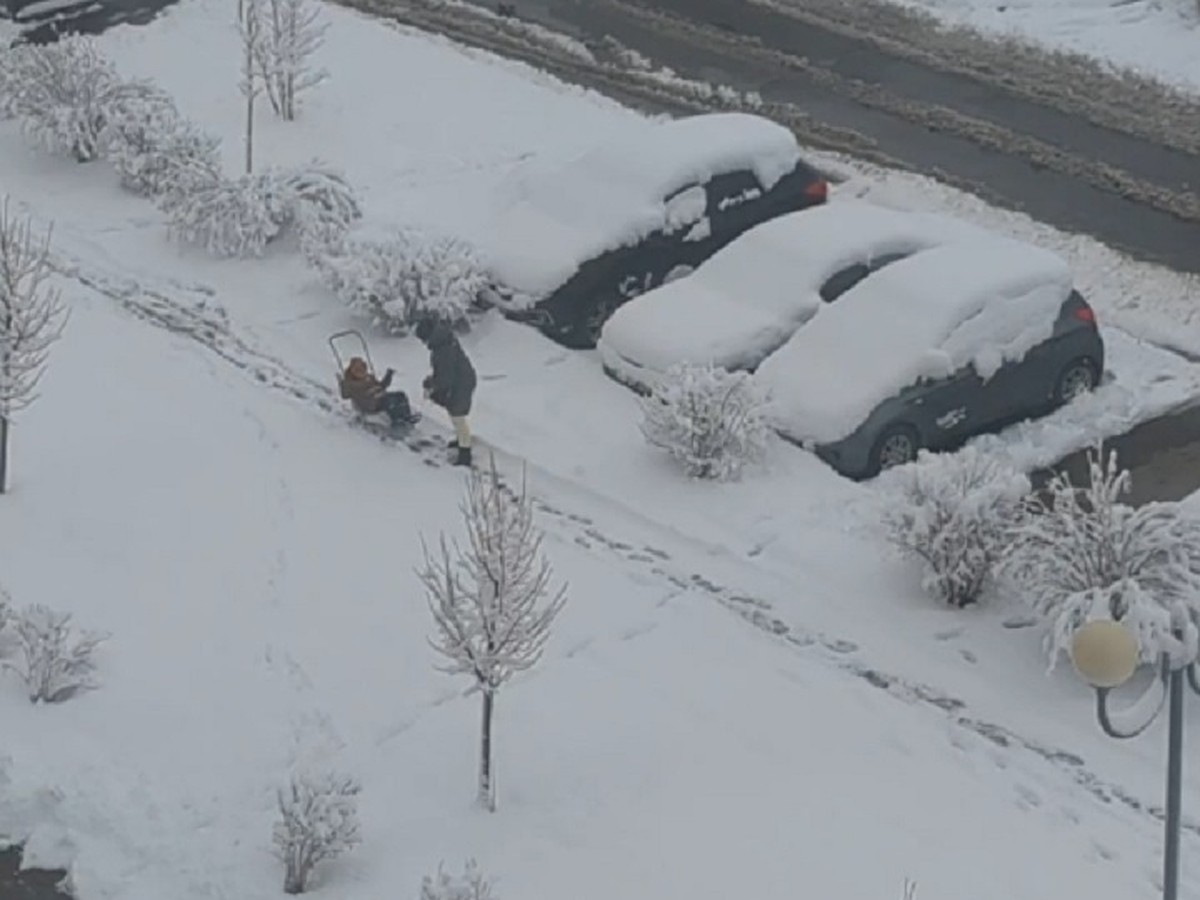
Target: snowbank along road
x=1056 y=137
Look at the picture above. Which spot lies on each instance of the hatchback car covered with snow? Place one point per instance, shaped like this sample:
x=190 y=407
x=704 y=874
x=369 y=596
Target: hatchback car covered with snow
x=751 y=296
x=575 y=242
x=946 y=344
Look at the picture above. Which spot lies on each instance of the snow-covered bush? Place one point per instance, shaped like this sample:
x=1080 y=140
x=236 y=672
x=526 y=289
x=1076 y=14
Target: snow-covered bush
x=1079 y=554
x=323 y=203
x=239 y=217
x=56 y=661
x=153 y=147
x=954 y=511
x=471 y=885
x=712 y=421
x=318 y=820
x=228 y=217
x=402 y=276
x=60 y=92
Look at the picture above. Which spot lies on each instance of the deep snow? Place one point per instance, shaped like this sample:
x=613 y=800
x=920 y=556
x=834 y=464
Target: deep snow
x=253 y=557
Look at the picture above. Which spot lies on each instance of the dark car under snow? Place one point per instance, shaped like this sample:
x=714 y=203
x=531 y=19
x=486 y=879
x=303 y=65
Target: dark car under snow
x=952 y=342
x=576 y=242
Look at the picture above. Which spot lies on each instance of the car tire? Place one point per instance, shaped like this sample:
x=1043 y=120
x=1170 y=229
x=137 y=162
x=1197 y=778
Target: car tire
x=899 y=444
x=1078 y=377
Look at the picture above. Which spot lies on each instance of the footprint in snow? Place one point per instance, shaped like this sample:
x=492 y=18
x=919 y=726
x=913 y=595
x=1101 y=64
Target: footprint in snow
x=637 y=631
x=968 y=656
x=576 y=649
x=1027 y=798
x=1105 y=853
x=948 y=634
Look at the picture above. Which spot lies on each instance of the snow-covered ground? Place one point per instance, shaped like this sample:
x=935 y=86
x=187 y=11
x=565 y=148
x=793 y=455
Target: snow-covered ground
x=1157 y=38
x=253 y=558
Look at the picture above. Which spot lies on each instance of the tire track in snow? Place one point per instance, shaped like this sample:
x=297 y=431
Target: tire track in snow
x=208 y=325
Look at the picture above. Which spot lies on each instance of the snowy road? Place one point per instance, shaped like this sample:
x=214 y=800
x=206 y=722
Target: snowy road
x=1115 y=161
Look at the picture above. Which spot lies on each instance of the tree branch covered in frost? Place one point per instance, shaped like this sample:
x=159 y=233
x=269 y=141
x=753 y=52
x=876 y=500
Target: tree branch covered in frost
x=1081 y=554
x=60 y=93
x=471 y=885
x=492 y=601
x=32 y=316
x=711 y=420
x=318 y=821
x=402 y=277
x=292 y=33
x=954 y=512
x=153 y=147
x=56 y=662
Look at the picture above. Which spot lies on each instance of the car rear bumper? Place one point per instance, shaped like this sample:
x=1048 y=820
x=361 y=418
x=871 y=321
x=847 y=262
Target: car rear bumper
x=621 y=369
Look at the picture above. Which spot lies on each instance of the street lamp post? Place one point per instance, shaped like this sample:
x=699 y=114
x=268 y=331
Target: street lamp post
x=1105 y=653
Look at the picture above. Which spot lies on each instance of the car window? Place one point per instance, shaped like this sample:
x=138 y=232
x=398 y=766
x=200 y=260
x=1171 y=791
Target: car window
x=887 y=259
x=729 y=191
x=840 y=282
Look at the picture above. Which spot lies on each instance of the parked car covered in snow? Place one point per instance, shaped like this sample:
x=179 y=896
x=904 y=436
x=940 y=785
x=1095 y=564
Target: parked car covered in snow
x=576 y=242
x=751 y=296
x=951 y=342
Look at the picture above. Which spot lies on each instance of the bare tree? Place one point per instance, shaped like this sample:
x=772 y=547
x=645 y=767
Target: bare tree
x=250 y=27
x=294 y=33
x=471 y=885
x=491 y=600
x=32 y=318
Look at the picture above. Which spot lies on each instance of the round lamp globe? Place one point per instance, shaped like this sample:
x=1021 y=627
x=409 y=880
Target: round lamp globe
x=1105 y=653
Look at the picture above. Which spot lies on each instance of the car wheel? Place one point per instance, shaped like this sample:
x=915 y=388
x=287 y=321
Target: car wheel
x=1075 y=380
x=898 y=445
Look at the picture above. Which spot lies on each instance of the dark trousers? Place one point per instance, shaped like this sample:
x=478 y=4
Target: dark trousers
x=397 y=407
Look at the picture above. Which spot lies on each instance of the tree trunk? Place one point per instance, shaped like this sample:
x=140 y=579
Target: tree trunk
x=3 y=455
x=487 y=778
x=249 y=134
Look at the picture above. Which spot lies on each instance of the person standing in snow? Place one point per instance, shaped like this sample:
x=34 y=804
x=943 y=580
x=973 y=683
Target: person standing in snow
x=370 y=395
x=451 y=381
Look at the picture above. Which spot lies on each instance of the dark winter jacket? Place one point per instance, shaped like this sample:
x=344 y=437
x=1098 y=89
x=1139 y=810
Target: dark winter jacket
x=365 y=393
x=451 y=384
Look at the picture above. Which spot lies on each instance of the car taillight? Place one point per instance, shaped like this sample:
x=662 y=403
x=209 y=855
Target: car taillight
x=1085 y=314
x=817 y=191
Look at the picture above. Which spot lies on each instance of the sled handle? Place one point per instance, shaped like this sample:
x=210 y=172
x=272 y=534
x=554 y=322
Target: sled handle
x=366 y=351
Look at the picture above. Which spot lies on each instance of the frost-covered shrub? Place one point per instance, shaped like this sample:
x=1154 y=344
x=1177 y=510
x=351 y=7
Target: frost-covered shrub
x=471 y=885
x=953 y=512
x=1081 y=554
x=323 y=203
x=401 y=277
x=228 y=217
x=153 y=147
x=55 y=660
x=60 y=92
x=711 y=420
x=318 y=820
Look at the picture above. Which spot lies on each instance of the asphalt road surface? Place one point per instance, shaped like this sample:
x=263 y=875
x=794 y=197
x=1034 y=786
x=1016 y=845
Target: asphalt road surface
x=35 y=884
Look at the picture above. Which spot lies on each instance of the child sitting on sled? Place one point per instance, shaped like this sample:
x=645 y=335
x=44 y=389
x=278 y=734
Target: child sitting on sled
x=370 y=395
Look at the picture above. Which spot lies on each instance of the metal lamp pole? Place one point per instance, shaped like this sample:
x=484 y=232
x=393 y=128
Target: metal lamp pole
x=1118 y=655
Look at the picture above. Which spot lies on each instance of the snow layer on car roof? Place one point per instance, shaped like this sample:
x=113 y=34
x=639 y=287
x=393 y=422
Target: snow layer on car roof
x=982 y=301
x=612 y=195
x=746 y=301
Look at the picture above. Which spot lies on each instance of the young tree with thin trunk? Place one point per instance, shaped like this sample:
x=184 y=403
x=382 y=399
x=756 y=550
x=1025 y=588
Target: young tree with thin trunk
x=294 y=32
x=32 y=318
x=250 y=27
x=492 y=600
